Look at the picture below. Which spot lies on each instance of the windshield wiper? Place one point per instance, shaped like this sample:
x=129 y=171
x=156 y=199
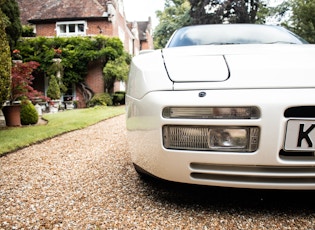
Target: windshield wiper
x=281 y=42
x=223 y=43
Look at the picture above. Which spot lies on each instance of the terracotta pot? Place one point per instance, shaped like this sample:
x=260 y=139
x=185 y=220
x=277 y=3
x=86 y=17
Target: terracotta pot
x=12 y=115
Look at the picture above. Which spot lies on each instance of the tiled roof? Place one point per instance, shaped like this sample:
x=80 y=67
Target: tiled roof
x=54 y=9
x=143 y=27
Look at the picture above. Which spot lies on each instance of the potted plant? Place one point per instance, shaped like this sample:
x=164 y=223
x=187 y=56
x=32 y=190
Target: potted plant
x=57 y=53
x=16 y=56
x=21 y=88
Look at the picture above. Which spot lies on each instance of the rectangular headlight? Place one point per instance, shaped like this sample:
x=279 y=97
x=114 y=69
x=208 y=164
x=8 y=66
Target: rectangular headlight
x=213 y=138
x=249 y=112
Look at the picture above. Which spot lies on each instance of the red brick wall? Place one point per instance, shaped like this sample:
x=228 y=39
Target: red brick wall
x=94 y=78
x=99 y=27
x=148 y=44
x=48 y=30
x=145 y=45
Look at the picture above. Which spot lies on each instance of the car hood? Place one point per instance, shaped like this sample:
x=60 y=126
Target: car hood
x=241 y=66
x=195 y=64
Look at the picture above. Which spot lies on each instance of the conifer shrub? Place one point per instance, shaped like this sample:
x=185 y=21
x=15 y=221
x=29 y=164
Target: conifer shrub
x=5 y=60
x=29 y=115
x=53 y=90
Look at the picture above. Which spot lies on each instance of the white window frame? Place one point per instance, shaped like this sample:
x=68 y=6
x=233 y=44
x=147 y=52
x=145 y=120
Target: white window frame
x=121 y=34
x=68 y=33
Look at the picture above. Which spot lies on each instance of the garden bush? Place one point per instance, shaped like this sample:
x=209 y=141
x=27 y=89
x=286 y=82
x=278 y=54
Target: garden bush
x=100 y=99
x=29 y=115
x=5 y=60
x=119 y=98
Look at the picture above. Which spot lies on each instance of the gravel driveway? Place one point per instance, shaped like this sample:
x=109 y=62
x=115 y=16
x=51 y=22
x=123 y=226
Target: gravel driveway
x=85 y=180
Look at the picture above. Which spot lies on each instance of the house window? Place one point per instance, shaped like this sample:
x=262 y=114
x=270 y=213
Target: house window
x=73 y=28
x=63 y=29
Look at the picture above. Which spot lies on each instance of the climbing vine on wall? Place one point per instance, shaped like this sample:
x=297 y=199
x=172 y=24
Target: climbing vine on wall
x=75 y=52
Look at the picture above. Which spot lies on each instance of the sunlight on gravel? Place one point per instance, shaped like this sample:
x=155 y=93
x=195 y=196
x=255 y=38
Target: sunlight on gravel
x=85 y=180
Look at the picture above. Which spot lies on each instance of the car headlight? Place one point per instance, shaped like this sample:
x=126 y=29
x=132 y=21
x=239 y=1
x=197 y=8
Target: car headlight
x=211 y=138
x=246 y=112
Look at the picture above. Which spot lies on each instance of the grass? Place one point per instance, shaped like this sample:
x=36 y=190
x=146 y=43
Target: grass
x=15 y=138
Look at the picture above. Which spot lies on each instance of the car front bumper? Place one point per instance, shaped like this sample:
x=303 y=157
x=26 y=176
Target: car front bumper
x=266 y=168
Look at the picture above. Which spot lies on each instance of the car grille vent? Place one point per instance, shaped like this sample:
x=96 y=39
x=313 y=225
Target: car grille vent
x=253 y=174
x=296 y=155
x=300 y=111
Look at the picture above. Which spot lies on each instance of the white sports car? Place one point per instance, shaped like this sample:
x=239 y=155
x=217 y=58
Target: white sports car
x=225 y=105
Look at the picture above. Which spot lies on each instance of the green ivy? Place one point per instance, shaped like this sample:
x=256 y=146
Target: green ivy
x=76 y=53
x=27 y=31
x=117 y=69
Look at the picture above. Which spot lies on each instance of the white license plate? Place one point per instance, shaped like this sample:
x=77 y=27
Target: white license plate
x=300 y=135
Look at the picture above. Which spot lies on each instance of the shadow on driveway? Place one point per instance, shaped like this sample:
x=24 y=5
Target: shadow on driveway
x=231 y=199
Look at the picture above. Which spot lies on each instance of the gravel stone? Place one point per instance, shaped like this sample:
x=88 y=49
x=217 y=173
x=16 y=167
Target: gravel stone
x=85 y=180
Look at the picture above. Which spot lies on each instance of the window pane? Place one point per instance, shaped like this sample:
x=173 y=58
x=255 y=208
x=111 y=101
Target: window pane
x=72 y=28
x=81 y=28
x=63 y=28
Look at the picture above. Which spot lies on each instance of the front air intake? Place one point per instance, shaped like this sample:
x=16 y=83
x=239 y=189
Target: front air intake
x=300 y=112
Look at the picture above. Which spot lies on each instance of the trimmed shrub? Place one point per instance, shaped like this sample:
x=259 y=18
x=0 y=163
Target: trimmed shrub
x=53 y=90
x=119 y=98
x=103 y=99
x=29 y=115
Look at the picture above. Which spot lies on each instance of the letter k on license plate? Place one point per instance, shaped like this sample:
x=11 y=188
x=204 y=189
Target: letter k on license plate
x=300 y=135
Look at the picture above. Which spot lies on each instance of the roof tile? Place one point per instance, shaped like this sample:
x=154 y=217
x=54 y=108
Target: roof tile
x=54 y=9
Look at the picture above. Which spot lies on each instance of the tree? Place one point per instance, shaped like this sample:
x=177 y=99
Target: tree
x=262 y=13
x=14 y=28
x=174 y=16
x=5 y=60
x=237 y=11
x=298 y=16
x=206 y=12
x=280 y=13
x=228 y=11
x=22 y=80
x=303 y=19
x=117 y=69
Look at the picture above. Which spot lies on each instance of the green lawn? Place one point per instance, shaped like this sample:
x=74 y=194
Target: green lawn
x=15 y=138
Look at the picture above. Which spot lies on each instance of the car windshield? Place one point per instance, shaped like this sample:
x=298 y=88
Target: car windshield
x=232 y=34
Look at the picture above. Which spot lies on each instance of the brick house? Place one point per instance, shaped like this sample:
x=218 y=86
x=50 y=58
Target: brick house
x=86 y=18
